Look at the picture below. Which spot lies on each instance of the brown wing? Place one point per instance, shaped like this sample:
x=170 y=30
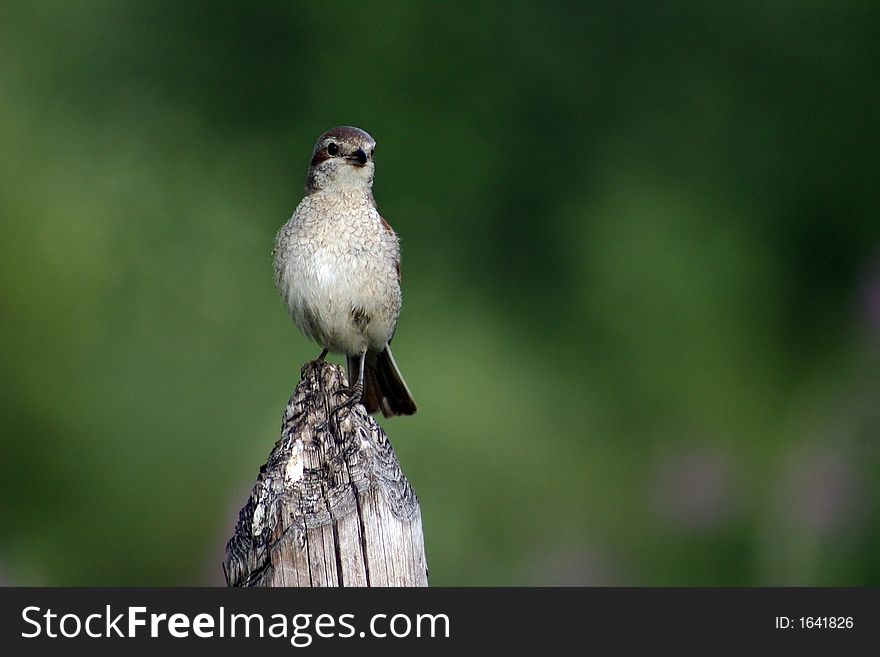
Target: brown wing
x=388 y=227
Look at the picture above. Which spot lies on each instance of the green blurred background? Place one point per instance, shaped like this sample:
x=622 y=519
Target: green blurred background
x=641 y=279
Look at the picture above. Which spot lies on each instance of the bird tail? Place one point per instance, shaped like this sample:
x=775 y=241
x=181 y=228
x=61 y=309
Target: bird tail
x=384 y=387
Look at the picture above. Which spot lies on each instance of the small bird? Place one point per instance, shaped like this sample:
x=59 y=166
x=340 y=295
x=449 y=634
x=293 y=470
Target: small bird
x=337 y=267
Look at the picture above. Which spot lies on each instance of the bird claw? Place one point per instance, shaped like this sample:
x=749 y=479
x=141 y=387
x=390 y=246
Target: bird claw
x=355 y=394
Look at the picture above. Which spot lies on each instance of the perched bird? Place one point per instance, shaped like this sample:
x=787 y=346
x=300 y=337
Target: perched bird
x=337 y=267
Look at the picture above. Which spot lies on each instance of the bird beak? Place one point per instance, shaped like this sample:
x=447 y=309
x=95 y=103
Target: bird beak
x=358 y=157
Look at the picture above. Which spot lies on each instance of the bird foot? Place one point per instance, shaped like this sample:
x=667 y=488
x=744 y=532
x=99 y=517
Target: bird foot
x=354 y=398
x=355 y=393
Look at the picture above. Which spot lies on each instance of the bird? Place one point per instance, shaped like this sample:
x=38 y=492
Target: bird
x=337 y=268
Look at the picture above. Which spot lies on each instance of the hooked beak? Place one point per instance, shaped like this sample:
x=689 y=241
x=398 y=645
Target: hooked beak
x=358 y=157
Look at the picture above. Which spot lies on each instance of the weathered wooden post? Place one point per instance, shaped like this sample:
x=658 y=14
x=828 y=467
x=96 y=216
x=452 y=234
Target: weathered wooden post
x=331 y=506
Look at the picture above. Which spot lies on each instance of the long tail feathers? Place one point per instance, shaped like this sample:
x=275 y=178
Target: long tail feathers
x=384 y=387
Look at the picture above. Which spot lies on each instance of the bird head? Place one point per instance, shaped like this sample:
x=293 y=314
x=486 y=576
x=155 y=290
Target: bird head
x=343 y=160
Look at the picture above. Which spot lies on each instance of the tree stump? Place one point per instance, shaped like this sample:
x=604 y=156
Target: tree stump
x=331 y=506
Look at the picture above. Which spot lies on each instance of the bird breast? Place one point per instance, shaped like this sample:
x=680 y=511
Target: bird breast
x=336 y=268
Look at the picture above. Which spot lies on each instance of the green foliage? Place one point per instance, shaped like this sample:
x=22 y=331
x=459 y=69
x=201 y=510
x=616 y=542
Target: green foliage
x=641 y=279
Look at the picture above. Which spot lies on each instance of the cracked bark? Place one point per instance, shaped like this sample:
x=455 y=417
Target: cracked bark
x=331 y=506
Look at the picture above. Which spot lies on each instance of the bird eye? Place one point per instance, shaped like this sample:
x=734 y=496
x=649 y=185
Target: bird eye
x=332 y=149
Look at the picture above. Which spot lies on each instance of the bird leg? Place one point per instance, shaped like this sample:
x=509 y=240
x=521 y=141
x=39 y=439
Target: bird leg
x=357 y=390
x=312 y=364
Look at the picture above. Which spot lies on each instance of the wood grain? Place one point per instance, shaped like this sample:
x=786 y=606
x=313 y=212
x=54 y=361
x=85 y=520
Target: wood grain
x=331 y=506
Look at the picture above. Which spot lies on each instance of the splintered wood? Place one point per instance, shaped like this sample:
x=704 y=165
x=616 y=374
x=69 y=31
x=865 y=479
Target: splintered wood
x=331 y=506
